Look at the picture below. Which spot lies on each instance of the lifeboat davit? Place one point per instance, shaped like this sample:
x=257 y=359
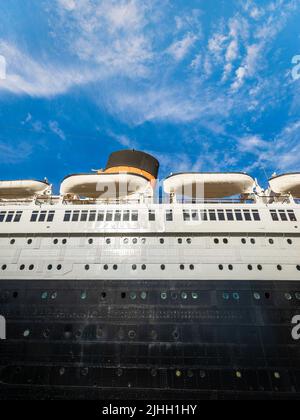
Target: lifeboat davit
x=127 y=172
x=23 y=189
x=209 y=185
x=286 y=184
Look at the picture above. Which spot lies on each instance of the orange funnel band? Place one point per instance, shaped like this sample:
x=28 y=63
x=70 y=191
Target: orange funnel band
x=131 y=170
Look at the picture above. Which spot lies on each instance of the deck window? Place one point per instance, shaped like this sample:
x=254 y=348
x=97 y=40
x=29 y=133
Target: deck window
x=100 y=217
x=203 y=215
x=2 y=216
x=18 y=216
x=135 y=216
x=230 y=216
x=34 y=216
x=126 y=216
x=152 y=216
x=238 y=215
x=84 y=216
x=221 y=215
x=212 y=215
x=42 y=216
x=292 y=216
x=274 y=216
x=256 y=215
x=169 y=215
x=247 y=215
x=186 y=216
x=67 y=216
x=75 y=217
x=109 y=216
x=10 y=216
x=50 y=216
x=92 y=216
x=118 y=216
x=283 y=215
x=195 y=216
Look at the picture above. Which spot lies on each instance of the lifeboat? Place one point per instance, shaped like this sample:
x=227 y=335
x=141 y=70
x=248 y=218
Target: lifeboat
x=23 y=189
x=127 y=172
x=286 y=184
x=209 y=185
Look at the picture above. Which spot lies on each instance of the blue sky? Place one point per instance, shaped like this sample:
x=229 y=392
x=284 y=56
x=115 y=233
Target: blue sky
x=203 y=85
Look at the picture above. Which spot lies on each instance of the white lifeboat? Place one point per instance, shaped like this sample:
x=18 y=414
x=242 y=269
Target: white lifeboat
x=104 y=185
x=209 y=185
x=23 y=189
x=286 y=184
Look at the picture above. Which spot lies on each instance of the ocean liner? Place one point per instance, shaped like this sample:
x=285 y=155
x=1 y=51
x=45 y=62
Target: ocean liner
x=119 y=288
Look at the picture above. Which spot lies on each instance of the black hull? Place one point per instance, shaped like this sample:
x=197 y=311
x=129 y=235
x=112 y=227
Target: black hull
x=151 y=340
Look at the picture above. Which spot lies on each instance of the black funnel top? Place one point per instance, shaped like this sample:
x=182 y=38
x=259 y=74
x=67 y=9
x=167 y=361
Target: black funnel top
x=134 y=159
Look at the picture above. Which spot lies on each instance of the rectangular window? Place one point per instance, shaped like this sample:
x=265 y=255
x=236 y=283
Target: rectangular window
x=203 y=215
x=274 y=216
x=186 y=216
x=230 y=216
x=283 y=215
x=135 y=216
x=238 y=215
x=256 y=215
x=118 y=216
x=18 y=216
x=247 y=215
x=152 y=216
x=50 y=217
x=292 y=216
x=67 y=216
x=100 y=217
x=42 y=216
x=92 y=216
x=195 y=216
x=212 y=215
x=221 y=215
x=84 y=216
x=75 y=217
x=34 y=216
x=2 y=216
x=169 y=215
x=10 y=216
x=109 y=216
x=126 y=216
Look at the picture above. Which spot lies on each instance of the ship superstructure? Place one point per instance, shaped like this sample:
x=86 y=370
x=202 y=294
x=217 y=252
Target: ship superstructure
x=110 y=291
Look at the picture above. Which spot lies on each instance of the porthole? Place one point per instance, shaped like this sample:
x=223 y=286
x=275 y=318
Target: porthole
x=250 y=267
x=49 y=268
x=115 y=267
x=253 y=241
x=54 y=296
x=257 y=296
x=216 y=241
x=22 y=267
x=135 y=241
x=271 y=241
x=83 y=295
x=15 y=295
x=64 y=241
x=162 y=267
x=103 y=295
x=29 y=242
x=31 y=267
x=182 y=267
x=290 y=242
x=298 y=267
x=105 y=267
x=26 y=333
x=55 y=241
x=143 y=295
x=133 y=296
x=238 y=375
x=44 y=295
x=192 y=267
x=202 y=374
x=230 y=267
x=132 y=334
x=59 y=267
x=123 y=295
x=163 y=296
x=153 y=373
x=236 y=296
x=288 y=296
x=87 y=267
x=91 y=241
x=180 y=241
x=184 y=295
x=244 y=241
x=190 y=374
x=277 y=375
x=162 y=241
x=226 y=296
x=143 y=240
x=4 y=267
x=108 y=241
x=279 y=267
x=195 y=295
x=225 y=241
x=221 y=267
x=144 y=267
x=267 y=295
x=178 y=373
x=126 y=241
x=297 y=295
x=119 y=372
x=189 y=241
x=13 y=241
x=175 y=335
x=259 y=267
x=134 y=267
